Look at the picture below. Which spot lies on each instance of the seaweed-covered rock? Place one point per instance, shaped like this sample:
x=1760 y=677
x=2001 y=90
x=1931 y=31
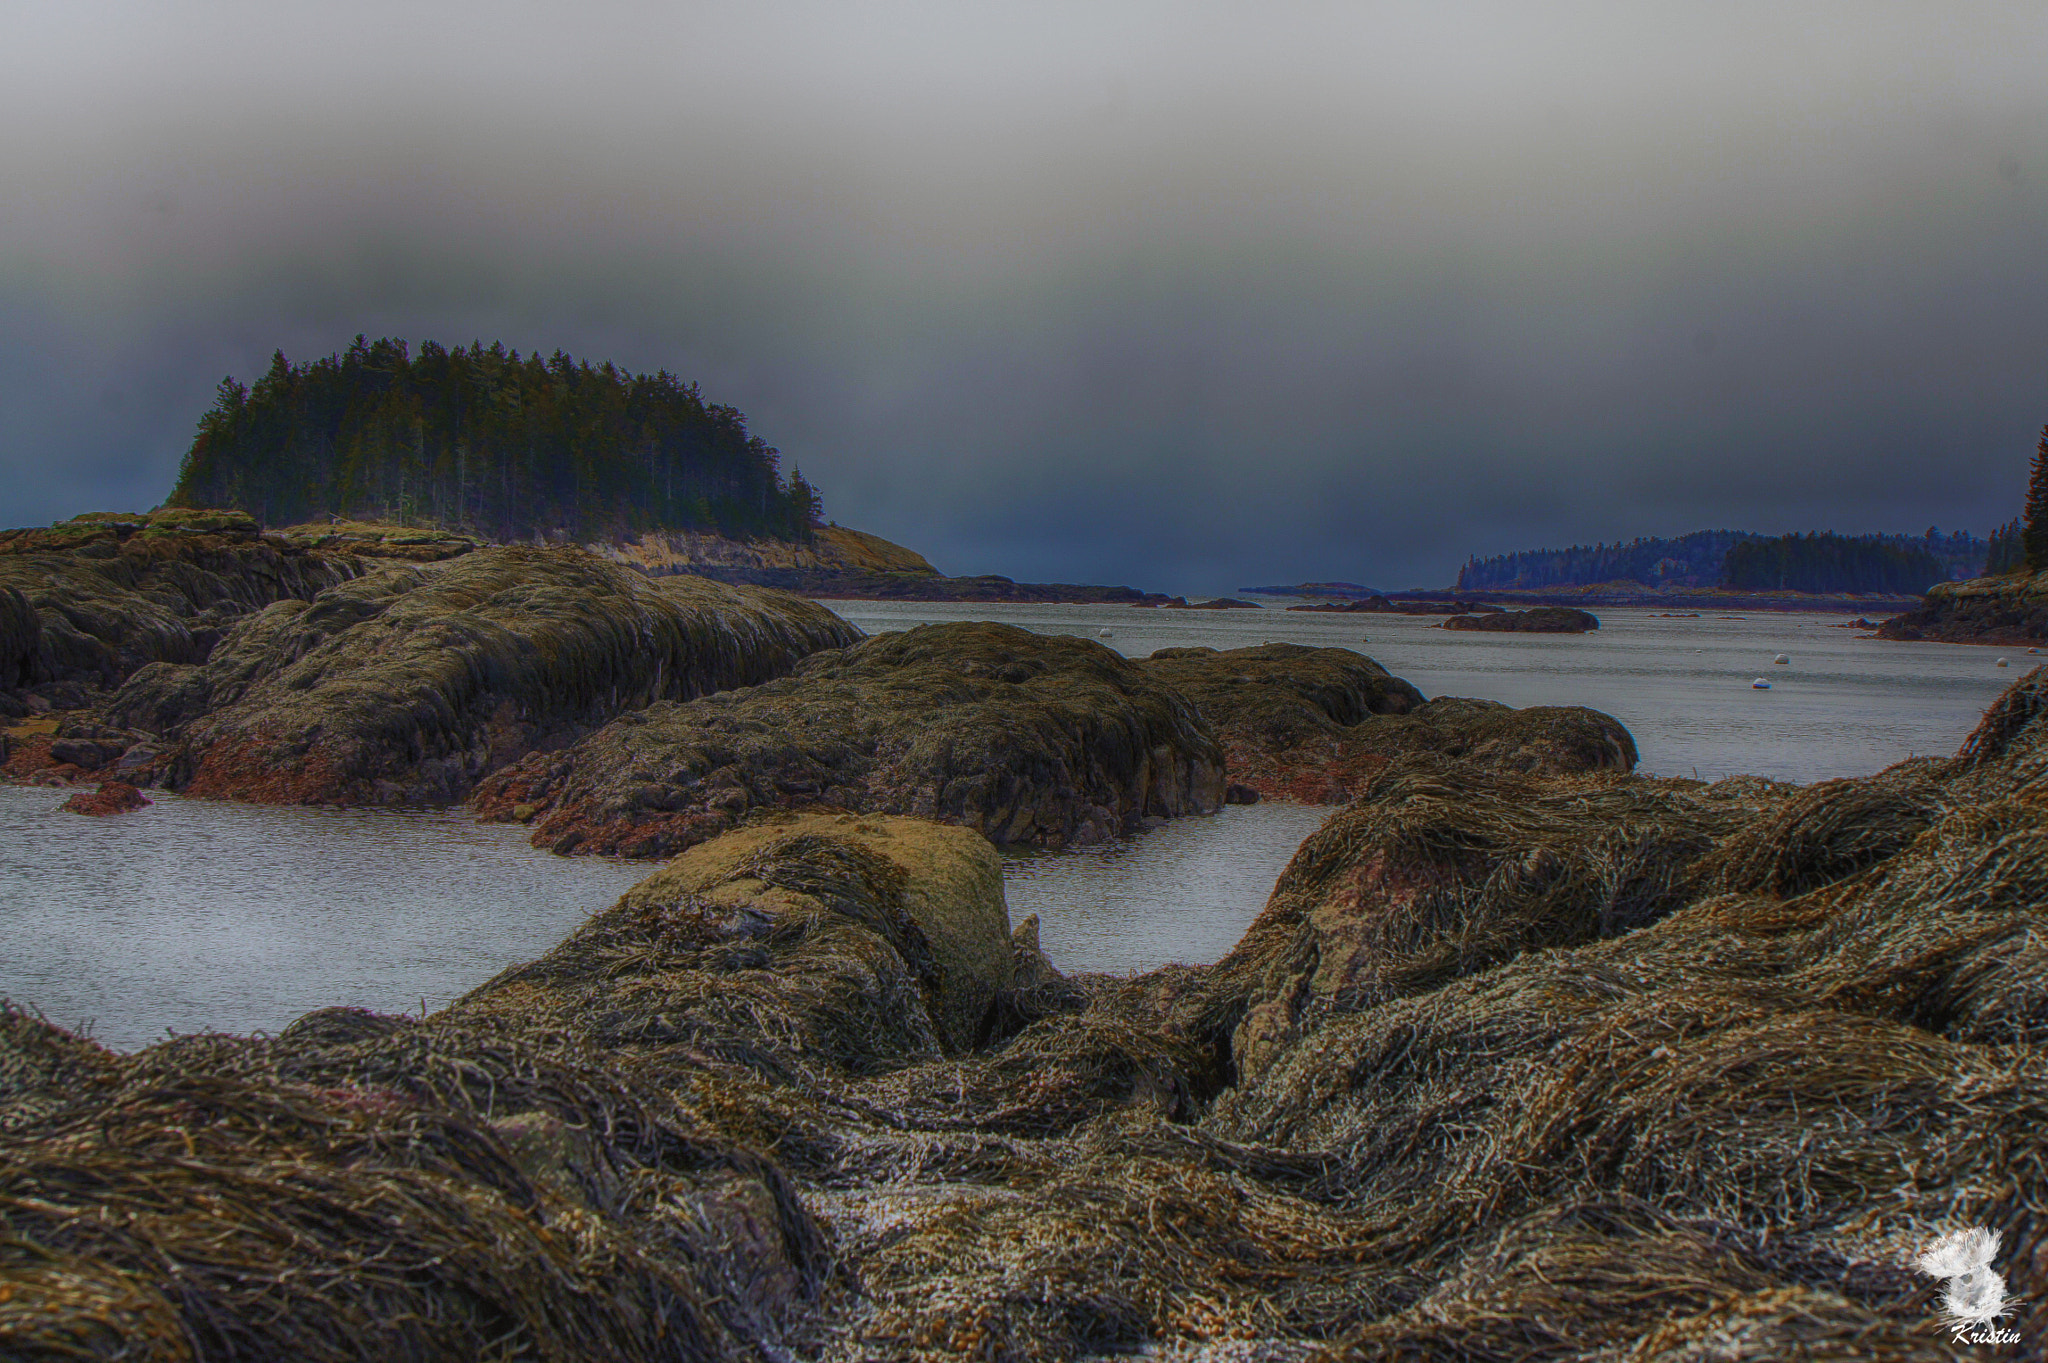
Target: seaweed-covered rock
x=364 y=1188
x=2011 y=609
x=1540 y=620
x=1024 y=737
x=842 y=940
x=1313 y=724
x=374 y=539
x=113 y=593
x=1439 y=868
x=1278 y=695
x=113 y=797
x=410 y=683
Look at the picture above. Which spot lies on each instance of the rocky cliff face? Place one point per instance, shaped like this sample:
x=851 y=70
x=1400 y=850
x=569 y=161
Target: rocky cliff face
x=1984 y=610
x=412 y=682
x=833 y=549
x=1028 y=738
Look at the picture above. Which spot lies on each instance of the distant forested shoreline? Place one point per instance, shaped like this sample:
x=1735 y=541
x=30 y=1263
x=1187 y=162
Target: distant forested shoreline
x=1818 y=562
x=486 y=440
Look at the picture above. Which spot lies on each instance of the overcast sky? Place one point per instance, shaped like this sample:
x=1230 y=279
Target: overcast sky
x=1188 y=296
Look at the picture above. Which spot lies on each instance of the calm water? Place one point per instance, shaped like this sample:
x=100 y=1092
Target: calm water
x=196 y=915
x=193 y=915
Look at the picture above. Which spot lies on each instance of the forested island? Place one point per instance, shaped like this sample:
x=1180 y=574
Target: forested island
x=483 y=439
x=380 y=449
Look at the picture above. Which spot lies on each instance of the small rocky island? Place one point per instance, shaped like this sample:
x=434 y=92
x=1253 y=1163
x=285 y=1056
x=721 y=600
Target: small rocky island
x=2008 y=609
x=1539 y=620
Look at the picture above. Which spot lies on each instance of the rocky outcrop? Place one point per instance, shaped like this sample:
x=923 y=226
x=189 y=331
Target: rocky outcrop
x=113 y=593
x=1541 y=620
x=1024 y=737
x=1985 y=610
x=1314 y=724
x=67 y=748
x=1276 y=696
x=412 y=682
x=855 y=941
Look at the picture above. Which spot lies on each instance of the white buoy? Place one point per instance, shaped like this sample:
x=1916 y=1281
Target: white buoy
x=1782 y=658
x=2005 y=662
x=1105 y=634
x=1760 y=684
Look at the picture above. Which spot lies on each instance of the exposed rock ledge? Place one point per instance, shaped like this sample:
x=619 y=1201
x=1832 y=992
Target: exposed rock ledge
x=832 y=549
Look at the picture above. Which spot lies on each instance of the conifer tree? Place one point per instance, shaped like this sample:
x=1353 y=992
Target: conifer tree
x=2037 y=508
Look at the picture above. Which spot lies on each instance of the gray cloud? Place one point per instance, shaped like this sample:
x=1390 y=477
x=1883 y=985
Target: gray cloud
x=1185 y=295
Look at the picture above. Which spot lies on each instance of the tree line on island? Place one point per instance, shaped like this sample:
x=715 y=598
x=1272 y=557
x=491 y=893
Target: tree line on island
x=486 y=440
x=1818 y=562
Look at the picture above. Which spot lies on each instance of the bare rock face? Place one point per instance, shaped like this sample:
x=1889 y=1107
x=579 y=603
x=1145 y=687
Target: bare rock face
x=412 y=682
x=1027 y=738
x=1315 y=724
x=1541 y=620
x=830 y=549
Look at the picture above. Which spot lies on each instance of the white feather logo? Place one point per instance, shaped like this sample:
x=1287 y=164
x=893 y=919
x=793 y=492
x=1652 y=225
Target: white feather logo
x=1976 y=1293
